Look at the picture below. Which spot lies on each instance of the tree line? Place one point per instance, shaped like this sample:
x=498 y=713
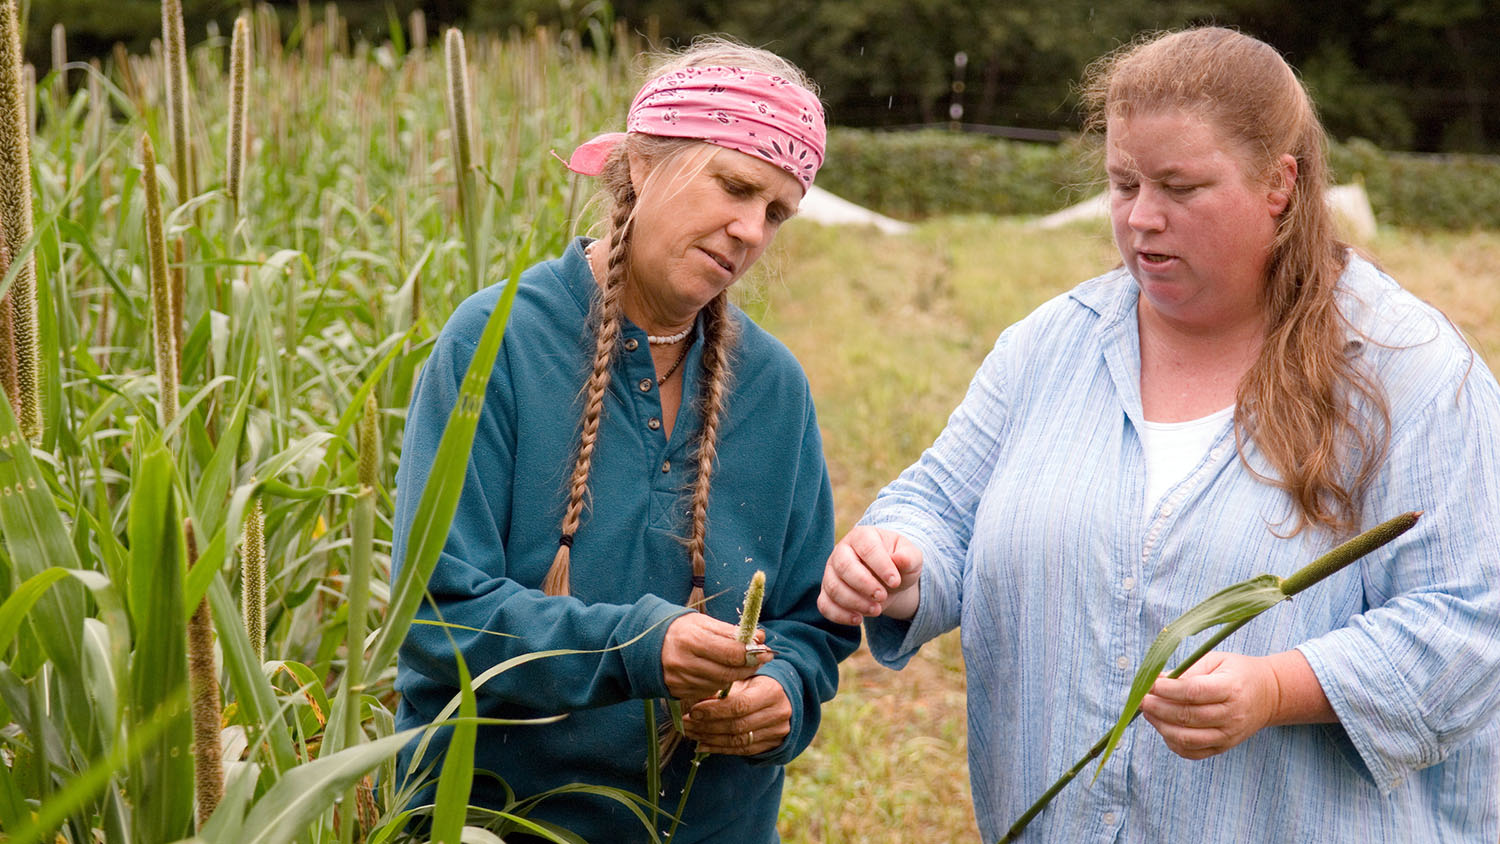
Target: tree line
x=1406 y=74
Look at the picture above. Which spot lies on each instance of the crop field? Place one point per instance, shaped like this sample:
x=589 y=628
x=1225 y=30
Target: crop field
x=235 y=272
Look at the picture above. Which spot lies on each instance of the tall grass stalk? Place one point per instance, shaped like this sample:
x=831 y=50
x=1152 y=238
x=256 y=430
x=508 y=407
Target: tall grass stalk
x=174 y=42
x=360 y=567
x=239 y=83
x=253 y=578
x=162 y=322
x=462 y=131
x=16 y=104
x=207 y=705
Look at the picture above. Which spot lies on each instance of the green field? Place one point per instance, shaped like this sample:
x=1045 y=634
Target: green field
x=317 y=291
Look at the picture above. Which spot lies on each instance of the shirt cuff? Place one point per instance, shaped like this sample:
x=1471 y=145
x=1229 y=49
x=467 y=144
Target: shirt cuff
x=783 y=672
x=1373 y=704
x=645 y=628
x=893 y=642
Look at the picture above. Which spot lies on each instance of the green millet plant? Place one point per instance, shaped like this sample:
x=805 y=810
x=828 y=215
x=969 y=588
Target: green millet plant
x=207 y=705
x=749 y=621
x=16 y=221
x=161 y=288
x=253 y=577
x=462 y=130
x=1233 y=608
x=174 y=42
x=239 y=82
x=358 y=590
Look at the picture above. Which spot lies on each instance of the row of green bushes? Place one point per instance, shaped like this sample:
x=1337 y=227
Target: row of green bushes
x=911 y=175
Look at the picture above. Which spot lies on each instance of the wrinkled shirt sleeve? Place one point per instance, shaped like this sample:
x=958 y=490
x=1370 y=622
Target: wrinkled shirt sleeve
x=1417 y=674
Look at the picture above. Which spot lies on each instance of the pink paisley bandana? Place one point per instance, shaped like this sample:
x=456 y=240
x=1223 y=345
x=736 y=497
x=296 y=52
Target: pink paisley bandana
x=756 y=113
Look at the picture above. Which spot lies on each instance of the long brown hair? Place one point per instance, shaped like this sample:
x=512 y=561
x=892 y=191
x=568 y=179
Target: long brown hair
x=670 y=158
x=1320 y=420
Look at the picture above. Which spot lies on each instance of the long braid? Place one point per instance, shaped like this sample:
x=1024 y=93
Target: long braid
x=607 y=317
x=720 y=332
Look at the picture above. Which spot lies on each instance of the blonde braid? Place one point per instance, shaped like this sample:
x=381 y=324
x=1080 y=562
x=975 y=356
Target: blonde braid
x=606 y=317
x=719 y=334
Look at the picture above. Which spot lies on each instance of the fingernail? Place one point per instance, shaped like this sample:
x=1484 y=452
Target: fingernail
x=893 y=579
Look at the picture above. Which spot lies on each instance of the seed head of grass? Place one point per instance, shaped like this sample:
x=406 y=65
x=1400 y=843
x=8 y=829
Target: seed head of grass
x=207 y=705
x=163 y=327
x=239 y=76
x=750 y=614
x=17 y=108
x=174 y=40
x=458 y=108
x=253 y=577
x=369 y=445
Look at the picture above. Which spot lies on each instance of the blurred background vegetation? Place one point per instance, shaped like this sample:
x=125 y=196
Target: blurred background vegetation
x=1421 y=75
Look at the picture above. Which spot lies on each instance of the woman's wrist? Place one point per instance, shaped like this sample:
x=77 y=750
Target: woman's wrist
x=903 y=605
x=1299 y=695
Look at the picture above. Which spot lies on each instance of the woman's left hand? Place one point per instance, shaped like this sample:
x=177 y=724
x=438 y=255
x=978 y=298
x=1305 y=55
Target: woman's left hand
x=755 y=717
x=1223 y=699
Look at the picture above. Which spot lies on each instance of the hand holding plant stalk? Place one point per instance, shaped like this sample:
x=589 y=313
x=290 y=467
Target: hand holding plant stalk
x=749 y=621
x=1232 y=607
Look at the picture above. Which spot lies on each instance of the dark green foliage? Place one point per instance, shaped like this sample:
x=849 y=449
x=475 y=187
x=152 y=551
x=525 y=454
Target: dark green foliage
x=1423 y=191
x=94 y=26
x=911 y=175
x=1407 y=74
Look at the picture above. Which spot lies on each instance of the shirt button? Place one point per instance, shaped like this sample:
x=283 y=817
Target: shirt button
x=1123 y=663
x=1109 y=818
x=632 y=344
x=666 y=466
x=1128 y=583
x=1166 y=509
x=653 y=423
x=645 y=385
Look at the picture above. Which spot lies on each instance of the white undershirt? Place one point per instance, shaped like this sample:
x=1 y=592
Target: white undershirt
x=1174 y=448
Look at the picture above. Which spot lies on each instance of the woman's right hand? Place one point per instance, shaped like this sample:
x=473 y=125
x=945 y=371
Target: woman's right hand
x=872 y=571
x=702 y=655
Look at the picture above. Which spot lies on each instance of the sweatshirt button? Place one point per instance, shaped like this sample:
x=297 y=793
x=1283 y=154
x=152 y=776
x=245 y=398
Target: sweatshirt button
x=645 y=385
x=632 y=344
x=653 y=423
x=666 y=466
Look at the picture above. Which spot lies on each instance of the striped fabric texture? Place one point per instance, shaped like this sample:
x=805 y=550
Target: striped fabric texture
x=1029 y=510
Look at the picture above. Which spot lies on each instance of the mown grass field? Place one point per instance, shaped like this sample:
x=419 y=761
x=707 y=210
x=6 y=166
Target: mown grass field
x=226 y=382
x=890 y=329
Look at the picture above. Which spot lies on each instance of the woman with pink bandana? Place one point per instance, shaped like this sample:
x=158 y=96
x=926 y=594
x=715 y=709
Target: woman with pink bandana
x=643 y=449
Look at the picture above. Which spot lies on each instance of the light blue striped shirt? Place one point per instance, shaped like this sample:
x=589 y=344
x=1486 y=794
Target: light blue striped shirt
x=1029 y=512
